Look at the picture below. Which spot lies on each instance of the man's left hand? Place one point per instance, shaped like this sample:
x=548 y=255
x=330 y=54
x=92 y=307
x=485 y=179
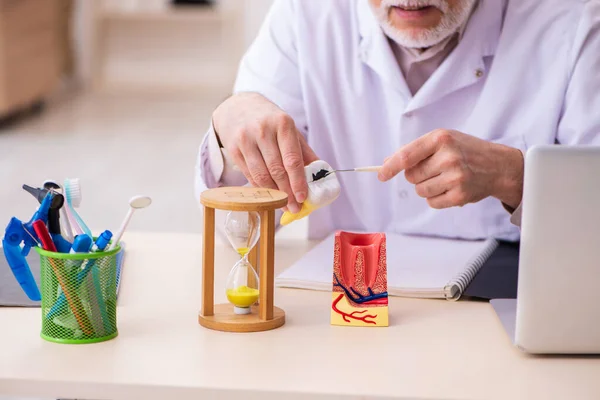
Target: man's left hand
x=450 y=168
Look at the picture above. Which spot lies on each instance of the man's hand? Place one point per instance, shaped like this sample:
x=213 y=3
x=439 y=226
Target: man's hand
x=450 y=168
x=265 y=145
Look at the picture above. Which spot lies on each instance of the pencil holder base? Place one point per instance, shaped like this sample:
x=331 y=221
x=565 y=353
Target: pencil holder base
x=79 y=341
x=79 y=297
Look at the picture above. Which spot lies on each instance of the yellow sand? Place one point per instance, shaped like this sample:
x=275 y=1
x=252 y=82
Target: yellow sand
x=242 y=296
x=242 y=251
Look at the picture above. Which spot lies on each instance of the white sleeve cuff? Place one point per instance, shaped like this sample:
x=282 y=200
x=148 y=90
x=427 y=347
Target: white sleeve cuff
x=223 y=168
x=215 y=156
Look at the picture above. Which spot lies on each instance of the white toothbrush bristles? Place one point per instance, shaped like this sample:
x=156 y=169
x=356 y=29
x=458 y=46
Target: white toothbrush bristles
x=74 y=189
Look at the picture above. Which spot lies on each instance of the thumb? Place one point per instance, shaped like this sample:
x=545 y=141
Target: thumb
x=308 y=155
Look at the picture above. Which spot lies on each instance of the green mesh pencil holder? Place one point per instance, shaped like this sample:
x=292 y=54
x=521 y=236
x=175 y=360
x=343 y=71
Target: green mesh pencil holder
x=79 y=296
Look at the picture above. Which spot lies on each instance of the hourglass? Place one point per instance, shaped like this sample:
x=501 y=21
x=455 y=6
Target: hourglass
x=242 y=230
x=250 y=229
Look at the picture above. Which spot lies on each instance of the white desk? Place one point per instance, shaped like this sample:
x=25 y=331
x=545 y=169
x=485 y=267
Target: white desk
x=433 y=349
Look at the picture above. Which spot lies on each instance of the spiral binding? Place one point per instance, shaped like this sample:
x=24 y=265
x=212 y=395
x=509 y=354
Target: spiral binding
x=455 y=288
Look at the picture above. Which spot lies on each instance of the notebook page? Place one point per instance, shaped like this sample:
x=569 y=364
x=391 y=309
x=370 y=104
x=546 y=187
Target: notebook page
x=414 y=264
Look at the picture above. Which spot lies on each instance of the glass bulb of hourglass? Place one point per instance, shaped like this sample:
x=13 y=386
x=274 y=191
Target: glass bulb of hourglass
x=242 y=286
x=242 y=229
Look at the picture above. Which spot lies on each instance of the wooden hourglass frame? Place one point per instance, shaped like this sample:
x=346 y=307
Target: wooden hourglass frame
x=221 y=317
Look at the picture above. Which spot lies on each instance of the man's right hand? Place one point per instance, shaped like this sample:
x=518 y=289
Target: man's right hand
x=265 y=145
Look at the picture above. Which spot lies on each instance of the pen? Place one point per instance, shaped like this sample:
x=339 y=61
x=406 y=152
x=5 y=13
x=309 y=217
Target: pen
x=42 y=233
x=74 y=301
x=102 y=241
x=100 y=245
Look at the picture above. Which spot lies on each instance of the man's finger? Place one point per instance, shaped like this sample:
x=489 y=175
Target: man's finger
x=293 y=161
x=409 y=155
x=274 y=163
x=240 y=163
x=257 y=168
x=454 y=197
x=432 y=187
x=441 y=201
x=426 y=169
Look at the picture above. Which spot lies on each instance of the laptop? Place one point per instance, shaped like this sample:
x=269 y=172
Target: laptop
x=557 y=310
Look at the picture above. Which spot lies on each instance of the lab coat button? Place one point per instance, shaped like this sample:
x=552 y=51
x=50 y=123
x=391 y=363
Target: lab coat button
x=363 y=53
x=479 y=72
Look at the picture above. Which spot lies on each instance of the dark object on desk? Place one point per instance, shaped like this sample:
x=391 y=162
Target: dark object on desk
x=497 y=278
x=19 y=115
x=11 y=294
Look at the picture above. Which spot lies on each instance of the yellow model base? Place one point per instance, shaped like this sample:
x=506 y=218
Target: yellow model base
x=344 y=314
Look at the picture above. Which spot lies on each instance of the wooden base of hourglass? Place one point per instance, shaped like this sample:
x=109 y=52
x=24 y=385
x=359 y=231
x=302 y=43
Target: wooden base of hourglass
x=221 y=317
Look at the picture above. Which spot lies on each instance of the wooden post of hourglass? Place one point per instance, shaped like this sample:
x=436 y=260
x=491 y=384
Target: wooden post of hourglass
x=265 y=316
x=253 y=260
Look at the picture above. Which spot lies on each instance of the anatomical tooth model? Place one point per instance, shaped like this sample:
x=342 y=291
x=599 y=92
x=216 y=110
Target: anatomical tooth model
x=359 y=295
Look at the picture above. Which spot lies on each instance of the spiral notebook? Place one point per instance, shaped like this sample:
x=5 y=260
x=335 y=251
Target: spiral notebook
x=417 y=266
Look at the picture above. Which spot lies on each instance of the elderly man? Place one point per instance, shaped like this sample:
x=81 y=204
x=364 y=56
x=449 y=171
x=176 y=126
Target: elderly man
x=446 y=95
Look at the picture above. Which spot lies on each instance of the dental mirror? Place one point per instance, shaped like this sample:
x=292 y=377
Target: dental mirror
x=135 y=203
x=140 y=202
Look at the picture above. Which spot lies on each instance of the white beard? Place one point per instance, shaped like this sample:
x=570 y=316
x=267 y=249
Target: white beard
x=423 y=38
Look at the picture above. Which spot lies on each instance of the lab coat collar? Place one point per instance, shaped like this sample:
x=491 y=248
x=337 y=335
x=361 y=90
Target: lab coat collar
x=463 y=67
x=375 y=50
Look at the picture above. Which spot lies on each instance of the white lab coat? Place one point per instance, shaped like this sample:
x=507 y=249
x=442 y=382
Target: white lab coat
x=525 y=72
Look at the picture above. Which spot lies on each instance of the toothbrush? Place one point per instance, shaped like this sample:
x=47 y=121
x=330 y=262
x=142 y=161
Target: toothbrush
x=73 y=196
x=134 y=203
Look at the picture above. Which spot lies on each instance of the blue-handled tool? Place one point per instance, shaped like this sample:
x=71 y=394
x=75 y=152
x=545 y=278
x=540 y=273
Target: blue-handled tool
x=62 y=245
x=18 y=233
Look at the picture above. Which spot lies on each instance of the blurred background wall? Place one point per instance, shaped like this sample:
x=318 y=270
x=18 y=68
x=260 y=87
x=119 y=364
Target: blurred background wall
x=152 y=44
x=118 y=93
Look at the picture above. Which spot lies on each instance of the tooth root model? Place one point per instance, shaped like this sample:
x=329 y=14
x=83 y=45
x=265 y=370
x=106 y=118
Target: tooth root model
x=323 y=189
x=359 y=296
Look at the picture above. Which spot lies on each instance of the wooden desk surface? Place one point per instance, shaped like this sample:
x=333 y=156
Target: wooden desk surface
x=433 y=349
